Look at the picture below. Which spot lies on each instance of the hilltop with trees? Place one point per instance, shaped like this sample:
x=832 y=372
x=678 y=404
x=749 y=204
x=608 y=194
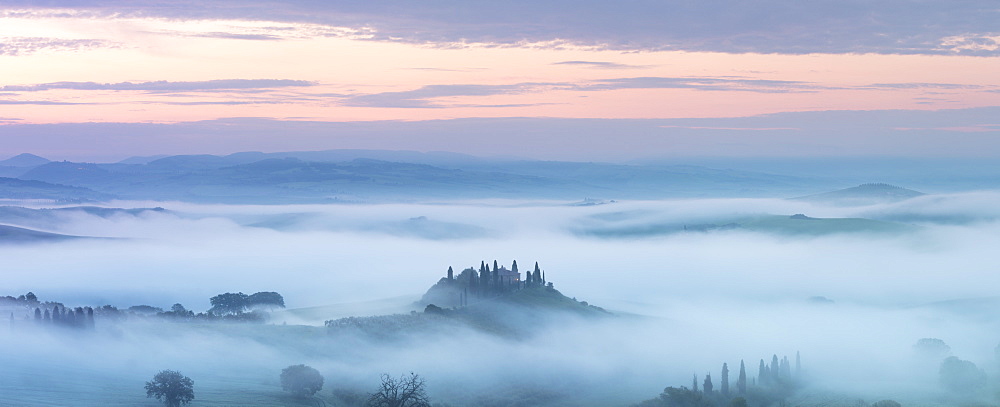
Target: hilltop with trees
x=493 y=299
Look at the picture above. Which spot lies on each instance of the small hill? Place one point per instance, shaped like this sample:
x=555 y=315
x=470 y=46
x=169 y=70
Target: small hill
x=864 y=194
x=800 y=224
x=496 y=302
x=24 y=160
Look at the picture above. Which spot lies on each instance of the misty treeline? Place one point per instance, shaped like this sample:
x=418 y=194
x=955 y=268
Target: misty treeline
x=27 y=310
x=772 y=385
x=963 y=379
x=46 y=313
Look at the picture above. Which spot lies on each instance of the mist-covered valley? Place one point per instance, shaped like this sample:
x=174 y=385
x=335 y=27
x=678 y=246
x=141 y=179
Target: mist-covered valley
x=521 y=203
x=853 y=299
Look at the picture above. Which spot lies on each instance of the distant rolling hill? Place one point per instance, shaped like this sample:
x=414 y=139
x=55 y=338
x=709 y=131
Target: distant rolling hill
x=804 y=225
x=291 y=180
x=19 y=164
x=864 y=194
x=23 y=160
x=796 y=225
x=305 y=177
x=53 y=218
x=19 y=189
x=13 y=234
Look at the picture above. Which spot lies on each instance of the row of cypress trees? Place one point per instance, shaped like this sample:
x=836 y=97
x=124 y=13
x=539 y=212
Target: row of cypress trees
x=776 y=375
x=79 y=317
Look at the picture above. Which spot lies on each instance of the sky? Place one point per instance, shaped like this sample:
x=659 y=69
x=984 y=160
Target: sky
x=713 y=78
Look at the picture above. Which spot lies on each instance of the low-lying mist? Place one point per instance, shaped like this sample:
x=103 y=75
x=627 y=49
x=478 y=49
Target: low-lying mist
x=852 y=302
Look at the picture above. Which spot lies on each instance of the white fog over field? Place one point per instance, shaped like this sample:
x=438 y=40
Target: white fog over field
x=853 y=303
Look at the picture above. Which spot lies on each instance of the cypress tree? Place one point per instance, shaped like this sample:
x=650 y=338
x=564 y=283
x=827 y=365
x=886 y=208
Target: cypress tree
x=46 y=316
x=694 y=383
x=762 y=373
x=538 y=275
x=38 y=314
x=451 y=273
x=484 y=280
x=775 y=369
x=798 y=364
x=725 y=380
x=495 y=266
x=513 y=267
x=484 y=277
x=473 y=284
x=56 y=318
x=741 y=382
x=90 y=318
x=708 y=384
x=786 y=369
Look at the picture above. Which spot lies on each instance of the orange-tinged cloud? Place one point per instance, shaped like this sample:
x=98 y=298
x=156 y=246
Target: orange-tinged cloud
x=562 y=81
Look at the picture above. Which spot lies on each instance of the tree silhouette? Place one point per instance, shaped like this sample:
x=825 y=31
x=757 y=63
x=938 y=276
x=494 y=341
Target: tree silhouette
x=775 y=372
x=961 y=376
x=229 y=303
x=798 y=365
x=407 y=391
x=681 y=397
x=265 y=299
x=301 y=380
x=762 y=373
x=741 y=382
x=724 y=387
x=171 y=387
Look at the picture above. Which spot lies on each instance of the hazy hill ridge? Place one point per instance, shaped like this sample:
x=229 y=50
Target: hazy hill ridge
x=353 y=176
x=20 y=189
x=864 y=194
x=13 y=234
x=23 y=160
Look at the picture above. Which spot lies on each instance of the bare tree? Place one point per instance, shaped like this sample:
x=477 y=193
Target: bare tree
x=406 y=391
